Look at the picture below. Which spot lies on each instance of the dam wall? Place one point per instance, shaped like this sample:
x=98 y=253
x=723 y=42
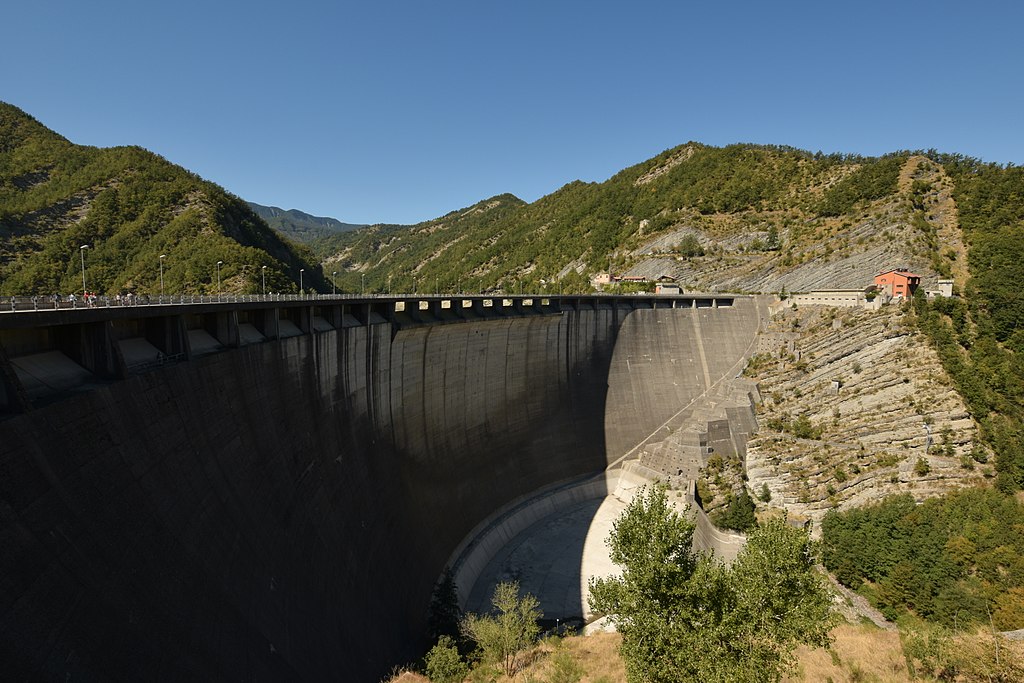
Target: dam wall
x=281 y=510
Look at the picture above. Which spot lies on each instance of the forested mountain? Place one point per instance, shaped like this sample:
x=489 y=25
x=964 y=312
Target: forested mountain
x=740 y=218
x=129 y=206
x=300 y=226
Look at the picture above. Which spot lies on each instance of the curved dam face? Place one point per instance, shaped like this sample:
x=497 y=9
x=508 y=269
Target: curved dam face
x=281 y=511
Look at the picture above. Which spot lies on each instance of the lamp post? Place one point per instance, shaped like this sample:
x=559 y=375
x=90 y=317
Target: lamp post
x=437 y=285
x=389 y=285
x=162 y=257
x=334 y=283
x=219 y=264
x=301 y=271
x=263 y=270
x=362 y=284
x=81 y=252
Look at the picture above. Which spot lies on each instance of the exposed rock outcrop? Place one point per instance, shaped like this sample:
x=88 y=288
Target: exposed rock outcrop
x=856 y=407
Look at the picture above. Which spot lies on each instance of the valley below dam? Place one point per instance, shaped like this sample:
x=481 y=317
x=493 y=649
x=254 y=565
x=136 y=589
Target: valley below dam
x=282 y=510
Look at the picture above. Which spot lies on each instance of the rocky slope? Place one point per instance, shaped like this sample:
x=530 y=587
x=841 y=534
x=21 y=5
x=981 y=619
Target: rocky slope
x=816 y=252
x=856 y=406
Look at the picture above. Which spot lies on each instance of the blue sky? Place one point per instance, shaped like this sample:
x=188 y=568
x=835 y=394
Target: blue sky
x=400 y=111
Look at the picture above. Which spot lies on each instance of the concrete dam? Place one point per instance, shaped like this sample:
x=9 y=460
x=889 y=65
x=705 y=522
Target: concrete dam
x=270 y=490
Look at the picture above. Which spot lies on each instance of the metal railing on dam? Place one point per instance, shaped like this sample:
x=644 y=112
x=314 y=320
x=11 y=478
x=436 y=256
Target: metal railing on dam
x=268 y=490
x=58 y=346
x=23 y=304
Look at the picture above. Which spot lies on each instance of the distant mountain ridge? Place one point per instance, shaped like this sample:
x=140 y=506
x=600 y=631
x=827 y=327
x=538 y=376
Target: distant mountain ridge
x=301 y=226
x=754 y=218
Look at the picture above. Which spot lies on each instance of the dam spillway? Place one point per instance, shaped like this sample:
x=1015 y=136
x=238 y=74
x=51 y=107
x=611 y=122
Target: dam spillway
x=276 y=505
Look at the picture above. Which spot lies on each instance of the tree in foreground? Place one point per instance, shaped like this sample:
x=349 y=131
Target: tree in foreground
x=444 y=664
x=444 y=615
x=685 y=616
x=510 y=629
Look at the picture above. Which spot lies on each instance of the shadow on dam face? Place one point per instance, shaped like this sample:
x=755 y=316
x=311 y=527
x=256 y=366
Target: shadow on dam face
x=281 y=511
x=553 y=559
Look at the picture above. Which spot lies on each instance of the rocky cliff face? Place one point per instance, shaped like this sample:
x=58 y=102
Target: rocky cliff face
x=856 y=406
x=915 y=228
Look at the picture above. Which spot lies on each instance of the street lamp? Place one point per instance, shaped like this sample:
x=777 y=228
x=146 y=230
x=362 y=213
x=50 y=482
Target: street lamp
x=389 y=285
x=301 y=271
x=219 y=264
x=81 y=252
x=334 y=283
x=162 y=257
x=362 y=284
x=263 y=270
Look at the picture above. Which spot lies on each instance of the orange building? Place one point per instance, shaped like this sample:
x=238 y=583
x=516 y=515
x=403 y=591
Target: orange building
x=899 y=282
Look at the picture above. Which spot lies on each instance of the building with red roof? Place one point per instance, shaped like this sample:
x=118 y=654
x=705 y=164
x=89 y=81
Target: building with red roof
x=899 y=282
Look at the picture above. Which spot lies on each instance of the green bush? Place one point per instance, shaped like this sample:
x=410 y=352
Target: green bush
x=444 y=664
x=501 y=637
x=564 y=669
x=739 y=513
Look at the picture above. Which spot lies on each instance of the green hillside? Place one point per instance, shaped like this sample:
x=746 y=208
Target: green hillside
x=980 y=337
x=130 y=206
x=785 y=201
x=299 y=226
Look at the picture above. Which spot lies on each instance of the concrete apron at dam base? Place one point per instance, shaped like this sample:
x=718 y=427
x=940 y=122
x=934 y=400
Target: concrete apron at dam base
x=555 y=542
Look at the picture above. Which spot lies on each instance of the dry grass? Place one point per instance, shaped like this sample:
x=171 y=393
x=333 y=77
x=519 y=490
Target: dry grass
x=408 y=677
x=860 y=653
x=599 y=655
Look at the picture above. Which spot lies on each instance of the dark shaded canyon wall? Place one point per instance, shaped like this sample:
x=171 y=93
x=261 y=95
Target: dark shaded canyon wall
x=281 y=511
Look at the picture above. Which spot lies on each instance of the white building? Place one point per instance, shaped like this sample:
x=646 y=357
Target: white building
x=840 y=298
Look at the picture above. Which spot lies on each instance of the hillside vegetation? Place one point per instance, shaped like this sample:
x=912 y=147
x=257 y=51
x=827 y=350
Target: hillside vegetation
x=742 y=217
x=299 y=226
x=130 y=206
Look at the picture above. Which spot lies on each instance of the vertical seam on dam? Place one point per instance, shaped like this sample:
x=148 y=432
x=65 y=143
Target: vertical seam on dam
x=699 y=337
